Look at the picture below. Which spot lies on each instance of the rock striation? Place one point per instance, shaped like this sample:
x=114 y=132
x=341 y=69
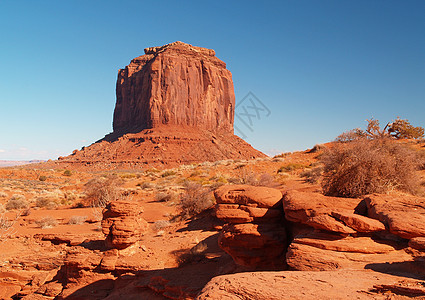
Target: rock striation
x=254 y=234
x=175 y=84
x=330 y=233
x=175 y=105
x=122 y=224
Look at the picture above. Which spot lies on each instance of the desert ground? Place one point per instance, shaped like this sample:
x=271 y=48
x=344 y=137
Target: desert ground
x=53 y=247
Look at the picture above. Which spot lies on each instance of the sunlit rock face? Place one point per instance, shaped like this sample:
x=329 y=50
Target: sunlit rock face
x=175 y=84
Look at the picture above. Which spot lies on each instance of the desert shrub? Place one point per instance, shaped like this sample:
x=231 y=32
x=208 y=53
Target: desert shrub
x=47 y=222
x=161 y=224
x=6 y=225
x=44 y=202
x=291 y=167
x=77 y=220
x=193 y=255
x=166 y=196
x=42 y=178
x=312 y=175
x=3 y=195
x=195 y=199
x=102 y=190
x=168 y=173
x=17 y=202
x=146 y=185
x=366 y=166
x=67 y=173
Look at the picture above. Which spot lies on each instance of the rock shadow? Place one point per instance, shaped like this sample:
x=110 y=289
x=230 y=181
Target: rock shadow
x=411 y=269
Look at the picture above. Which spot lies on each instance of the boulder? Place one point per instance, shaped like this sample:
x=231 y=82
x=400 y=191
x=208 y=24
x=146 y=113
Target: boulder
x=254 y=234
x=122 y=224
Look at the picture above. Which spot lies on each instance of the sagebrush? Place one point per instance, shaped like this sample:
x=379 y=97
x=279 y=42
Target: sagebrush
x=365 y=166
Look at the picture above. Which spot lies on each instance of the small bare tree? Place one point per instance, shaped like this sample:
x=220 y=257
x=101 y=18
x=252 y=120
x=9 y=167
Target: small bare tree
x=397 y=129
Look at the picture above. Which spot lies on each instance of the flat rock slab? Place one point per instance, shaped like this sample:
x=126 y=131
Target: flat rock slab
x=310 y=285
x=404 y=215
x=333 y=214
x=344 y=244
x=302 y=257
x=255 y=196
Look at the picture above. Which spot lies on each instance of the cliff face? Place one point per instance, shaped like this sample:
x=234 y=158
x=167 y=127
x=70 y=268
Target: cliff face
x=175 y=105
x=176 y=84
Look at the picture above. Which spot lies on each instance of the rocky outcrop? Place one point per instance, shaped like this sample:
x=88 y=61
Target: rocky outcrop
x=175 y=105
x=331 y=233
x=122 y=224
x=175 y=84
x=332 y=214
x=404 y=215
x=345 y=284
x=160 y=147
x=254 y=234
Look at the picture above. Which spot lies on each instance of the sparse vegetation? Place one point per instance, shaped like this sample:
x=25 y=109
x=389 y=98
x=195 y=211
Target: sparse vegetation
x=67 y=173
x=365 y=166
x=17 y=202
x=194 y=255
x=42 y=178
x=161 y=224
x=168 y=173
x=195 y=199
x=102 y=190
x=291 y=167
x=47 y=222
x=397 y=129
x=312 y=175
x=77 y=220
x=44 y=202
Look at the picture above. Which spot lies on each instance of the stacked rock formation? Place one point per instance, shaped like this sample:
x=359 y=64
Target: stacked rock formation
x=332 y=233
x=122 y=224
x=254 y=234
x=175 y=105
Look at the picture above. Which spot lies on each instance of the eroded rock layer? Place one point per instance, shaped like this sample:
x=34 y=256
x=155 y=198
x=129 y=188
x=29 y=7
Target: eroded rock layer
x=176 y=84
x=175 y=105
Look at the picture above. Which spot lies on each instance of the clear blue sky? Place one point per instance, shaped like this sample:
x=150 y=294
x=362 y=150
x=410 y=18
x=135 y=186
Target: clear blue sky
x=320 y=67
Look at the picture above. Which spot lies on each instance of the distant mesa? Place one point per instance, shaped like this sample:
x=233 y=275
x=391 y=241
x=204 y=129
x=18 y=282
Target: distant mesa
x=175 y=105
x=176 y=84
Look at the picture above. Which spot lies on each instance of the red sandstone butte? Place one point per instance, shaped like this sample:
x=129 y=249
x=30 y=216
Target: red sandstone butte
x=175 y=105
x=176 y=84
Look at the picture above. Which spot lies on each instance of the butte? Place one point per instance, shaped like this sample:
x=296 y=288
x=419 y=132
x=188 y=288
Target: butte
x=175 y=105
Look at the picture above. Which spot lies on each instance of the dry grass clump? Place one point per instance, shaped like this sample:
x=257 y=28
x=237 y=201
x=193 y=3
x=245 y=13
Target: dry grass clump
x=17 y=202
x=365 y=166
x=102 y=190
x=249 y=177
x=189 y=256
x=77 y=220
x=312 y=175
x=44 y=202
x=47 y=222
x=195 y=199
x=168 y=196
